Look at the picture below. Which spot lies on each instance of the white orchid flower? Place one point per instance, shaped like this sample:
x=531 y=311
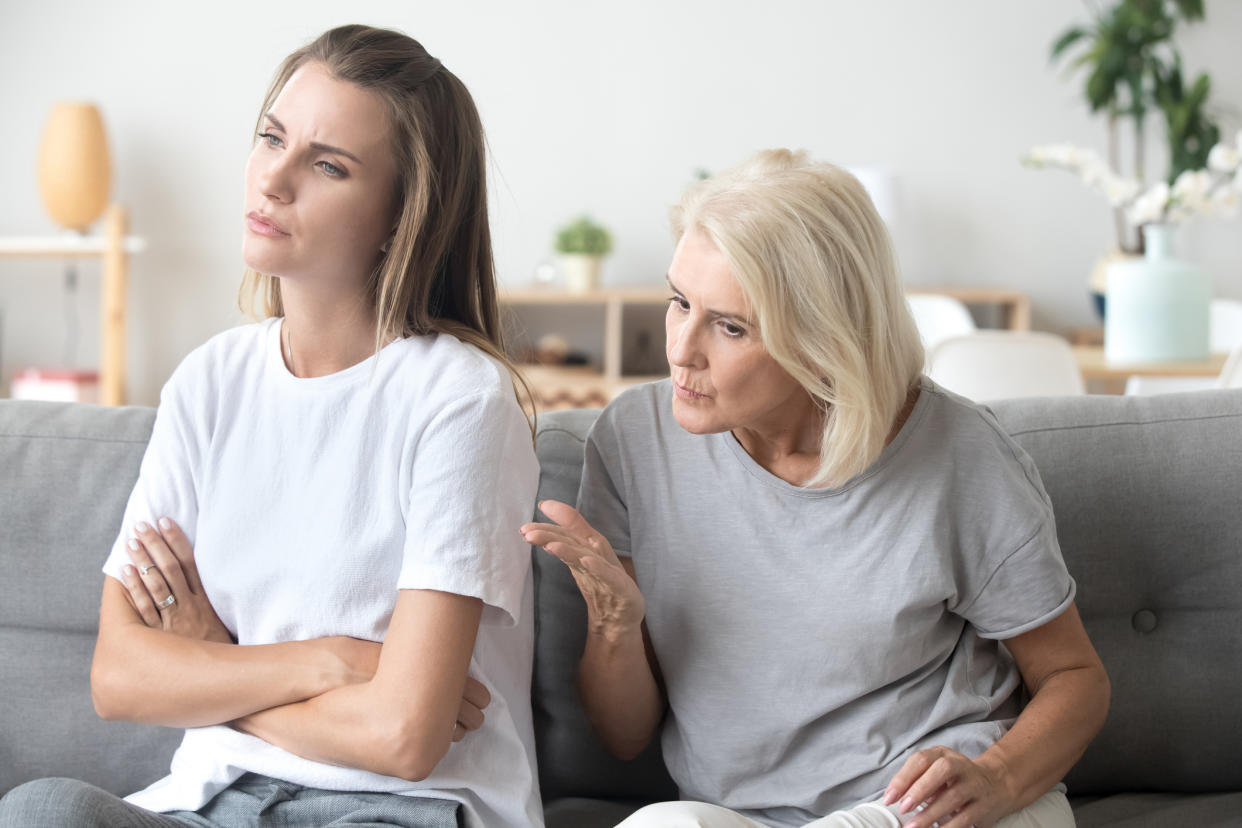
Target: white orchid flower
x=1150 y=205
x=1226 y=201
x=1190 y=192
x=1119 y=191
x=1224 y=158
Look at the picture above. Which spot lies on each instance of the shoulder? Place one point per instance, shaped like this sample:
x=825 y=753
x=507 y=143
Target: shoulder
x=208 y=368
x=968 y=441
x=641 y=410
x=445 y=368
x=458 y=391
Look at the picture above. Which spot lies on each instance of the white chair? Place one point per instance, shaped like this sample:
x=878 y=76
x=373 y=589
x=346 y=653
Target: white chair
x=997 y=365
x=1225 y=325
x=939 y=317
x=1225 y=336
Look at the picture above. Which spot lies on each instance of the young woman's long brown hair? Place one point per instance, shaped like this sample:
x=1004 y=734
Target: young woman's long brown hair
x=438 y=274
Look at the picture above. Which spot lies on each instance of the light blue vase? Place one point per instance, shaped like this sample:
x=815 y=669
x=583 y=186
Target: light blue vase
x=1157 y=306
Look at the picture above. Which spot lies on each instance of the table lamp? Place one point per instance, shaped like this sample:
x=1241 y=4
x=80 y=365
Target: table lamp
x=75 y=174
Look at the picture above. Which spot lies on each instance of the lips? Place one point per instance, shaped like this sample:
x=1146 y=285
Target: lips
x=263 y=225
x=688 y=393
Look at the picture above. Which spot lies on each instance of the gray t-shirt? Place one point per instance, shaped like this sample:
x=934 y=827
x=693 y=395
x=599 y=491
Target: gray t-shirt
x=812 y=639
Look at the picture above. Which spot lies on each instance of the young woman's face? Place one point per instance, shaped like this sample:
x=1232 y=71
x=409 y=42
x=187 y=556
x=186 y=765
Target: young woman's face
x=723 y=376
x=319 y=183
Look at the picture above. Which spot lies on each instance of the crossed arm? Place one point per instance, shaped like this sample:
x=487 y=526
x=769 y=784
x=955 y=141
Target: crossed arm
x=392 y=709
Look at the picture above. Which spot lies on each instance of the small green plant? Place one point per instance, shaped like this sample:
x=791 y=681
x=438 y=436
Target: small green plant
x=584 y=237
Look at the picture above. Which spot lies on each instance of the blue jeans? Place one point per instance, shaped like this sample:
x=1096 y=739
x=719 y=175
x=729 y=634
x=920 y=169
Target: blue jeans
x=252 y=801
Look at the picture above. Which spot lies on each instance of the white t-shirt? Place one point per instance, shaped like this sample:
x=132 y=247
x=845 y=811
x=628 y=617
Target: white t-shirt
x=311 y=502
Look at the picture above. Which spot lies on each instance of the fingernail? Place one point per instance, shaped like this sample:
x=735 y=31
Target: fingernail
x=133 y=545
x=165 y=523
x=906 y=804
x=141 y=528
x=129 y=570
x=890 y=796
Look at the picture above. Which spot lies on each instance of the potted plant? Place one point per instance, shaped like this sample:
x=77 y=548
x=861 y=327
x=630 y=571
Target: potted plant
x=582 y=244
x=1157 y=308
x=1131 y=71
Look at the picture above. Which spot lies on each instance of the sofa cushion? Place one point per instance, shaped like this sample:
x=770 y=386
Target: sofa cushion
x=1162 y=810
x=571 y=762
x=1146 y=492
x=67 y=472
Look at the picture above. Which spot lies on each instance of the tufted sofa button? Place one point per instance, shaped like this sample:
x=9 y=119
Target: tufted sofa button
x=1144 y=621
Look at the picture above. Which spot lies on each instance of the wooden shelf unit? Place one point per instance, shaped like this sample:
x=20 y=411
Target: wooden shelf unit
x=579 y=386
x=113 y=248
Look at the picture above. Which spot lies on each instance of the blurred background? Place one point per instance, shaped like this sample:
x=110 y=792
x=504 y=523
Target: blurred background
x=604 y=108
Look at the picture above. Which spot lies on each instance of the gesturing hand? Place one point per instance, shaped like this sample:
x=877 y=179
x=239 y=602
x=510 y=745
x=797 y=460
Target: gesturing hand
x=949 y=790
x=165 y=588
x=614 y=602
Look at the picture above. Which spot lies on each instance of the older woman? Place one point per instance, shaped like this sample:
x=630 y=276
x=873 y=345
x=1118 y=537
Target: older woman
x=801 y=557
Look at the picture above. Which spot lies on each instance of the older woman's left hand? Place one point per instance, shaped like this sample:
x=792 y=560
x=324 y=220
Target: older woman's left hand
x=949 y=790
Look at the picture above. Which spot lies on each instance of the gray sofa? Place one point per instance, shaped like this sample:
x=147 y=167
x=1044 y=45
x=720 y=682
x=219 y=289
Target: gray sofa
x=1148 y=499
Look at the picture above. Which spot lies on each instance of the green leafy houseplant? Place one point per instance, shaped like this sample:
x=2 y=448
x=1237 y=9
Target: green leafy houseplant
x=583 y=237
x=1133 y=70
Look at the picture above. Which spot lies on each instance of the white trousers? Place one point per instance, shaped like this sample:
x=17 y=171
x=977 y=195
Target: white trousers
x=1051 y=810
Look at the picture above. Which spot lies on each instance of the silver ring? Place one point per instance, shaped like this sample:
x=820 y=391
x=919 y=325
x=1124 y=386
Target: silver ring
x=145 y=569
x=167 y=602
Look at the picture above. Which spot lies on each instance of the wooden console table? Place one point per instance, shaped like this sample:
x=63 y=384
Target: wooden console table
x=1103 y=377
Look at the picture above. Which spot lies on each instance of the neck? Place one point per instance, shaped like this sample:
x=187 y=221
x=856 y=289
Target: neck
x=326 y=336
x=786 y=446
x=789 y=449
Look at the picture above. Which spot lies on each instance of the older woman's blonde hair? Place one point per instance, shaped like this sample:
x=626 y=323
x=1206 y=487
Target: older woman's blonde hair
x=816 y=264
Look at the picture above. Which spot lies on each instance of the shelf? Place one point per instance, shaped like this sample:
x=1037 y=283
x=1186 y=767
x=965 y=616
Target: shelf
x=536 y=295
x=64 y=247
x=113 y=248
x=565 y=386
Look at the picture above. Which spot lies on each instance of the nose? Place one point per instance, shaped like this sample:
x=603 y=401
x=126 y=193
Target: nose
x=274 y=175
x=684 y=349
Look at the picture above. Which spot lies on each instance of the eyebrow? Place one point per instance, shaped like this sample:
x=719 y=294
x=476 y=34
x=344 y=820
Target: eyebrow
x=315 y=144
x=718 y=314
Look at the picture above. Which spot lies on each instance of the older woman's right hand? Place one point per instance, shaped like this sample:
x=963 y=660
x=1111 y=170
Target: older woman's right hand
x=614 y=603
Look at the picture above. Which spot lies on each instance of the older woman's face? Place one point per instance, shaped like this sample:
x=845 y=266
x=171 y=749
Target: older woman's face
x=319 y=182
x=723 y=377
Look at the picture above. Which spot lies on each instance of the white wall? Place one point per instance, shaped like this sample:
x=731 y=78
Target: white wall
x=604 y=107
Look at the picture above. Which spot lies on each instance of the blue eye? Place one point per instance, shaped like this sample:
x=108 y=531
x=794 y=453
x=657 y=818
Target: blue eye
x=270 y=139
x=331 y=169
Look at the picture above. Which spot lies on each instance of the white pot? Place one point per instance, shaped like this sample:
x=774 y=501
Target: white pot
x=581 y=271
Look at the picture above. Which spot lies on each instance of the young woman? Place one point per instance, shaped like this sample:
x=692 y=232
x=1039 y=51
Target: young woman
x=317 y=574
x=823 y=549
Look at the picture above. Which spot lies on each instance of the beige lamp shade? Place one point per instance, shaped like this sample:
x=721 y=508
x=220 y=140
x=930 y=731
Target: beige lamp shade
x=75 y=174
